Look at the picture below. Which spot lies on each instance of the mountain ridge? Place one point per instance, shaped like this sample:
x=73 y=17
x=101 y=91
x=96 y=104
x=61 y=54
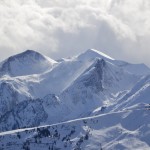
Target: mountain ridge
x=37 y=91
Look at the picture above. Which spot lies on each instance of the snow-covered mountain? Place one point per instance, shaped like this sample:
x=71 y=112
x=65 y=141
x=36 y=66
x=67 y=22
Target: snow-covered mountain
x=26 y=63
x=36 y=90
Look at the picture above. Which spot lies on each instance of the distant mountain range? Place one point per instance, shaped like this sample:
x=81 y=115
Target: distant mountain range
x=89 y=101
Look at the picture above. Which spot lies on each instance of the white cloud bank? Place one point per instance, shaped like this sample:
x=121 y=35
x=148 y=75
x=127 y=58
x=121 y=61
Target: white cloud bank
x=60 y=28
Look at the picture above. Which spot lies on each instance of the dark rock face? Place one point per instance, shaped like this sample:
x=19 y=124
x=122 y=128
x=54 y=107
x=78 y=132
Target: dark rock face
x=94 y=80
x=88 y=84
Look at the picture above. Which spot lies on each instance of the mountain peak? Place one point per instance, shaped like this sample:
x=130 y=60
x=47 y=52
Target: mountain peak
x=28 y=53
x=91 y=54
x=100 y=53
x=100 y=62
x=26 y=63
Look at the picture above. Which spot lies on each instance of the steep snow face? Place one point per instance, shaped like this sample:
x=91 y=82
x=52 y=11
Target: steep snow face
x=97 y=86
x=26 y=63
x=121 y=130
x=61 y=76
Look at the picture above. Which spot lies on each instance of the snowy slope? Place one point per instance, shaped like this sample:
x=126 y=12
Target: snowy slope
x=36 y=90
x=138 y=69
x=98 y=86
x=64 y=74
x=138 y=95
x=119 y=130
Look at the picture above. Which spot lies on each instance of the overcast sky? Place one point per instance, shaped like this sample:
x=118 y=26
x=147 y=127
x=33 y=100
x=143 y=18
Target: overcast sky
x=61 y=28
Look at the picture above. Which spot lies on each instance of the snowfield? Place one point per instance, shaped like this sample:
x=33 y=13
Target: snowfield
x=90 y=101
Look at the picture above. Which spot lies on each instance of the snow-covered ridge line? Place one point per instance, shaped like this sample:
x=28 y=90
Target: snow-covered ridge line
x=89 y=101
x=93 y=53
x=85 y=83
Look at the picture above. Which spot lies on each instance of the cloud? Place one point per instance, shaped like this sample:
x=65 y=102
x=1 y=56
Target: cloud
x=63 y=28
